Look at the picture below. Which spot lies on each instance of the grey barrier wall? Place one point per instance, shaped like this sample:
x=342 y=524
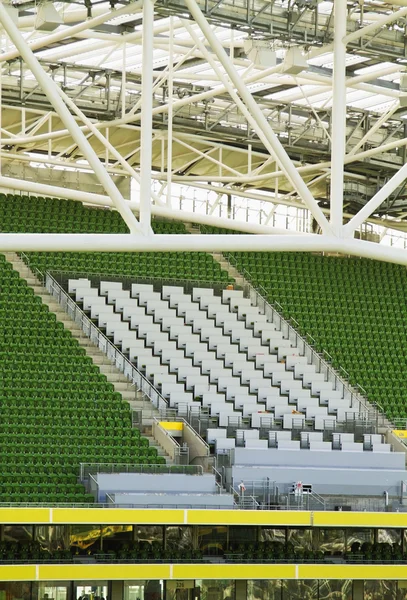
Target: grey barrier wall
x=329 y=472
x=158 y=500
x=142 y=483
x=313 y=458
x=324 y=480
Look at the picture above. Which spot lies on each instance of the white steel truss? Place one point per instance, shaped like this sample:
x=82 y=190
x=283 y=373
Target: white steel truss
x=131 y=91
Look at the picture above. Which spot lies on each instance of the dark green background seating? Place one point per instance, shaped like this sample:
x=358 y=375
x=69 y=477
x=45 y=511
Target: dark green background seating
x=56 y=408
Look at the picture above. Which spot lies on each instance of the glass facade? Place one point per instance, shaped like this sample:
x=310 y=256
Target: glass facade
x=207 y=589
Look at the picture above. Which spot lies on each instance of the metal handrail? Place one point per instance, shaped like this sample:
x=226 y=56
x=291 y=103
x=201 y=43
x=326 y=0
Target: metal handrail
x=90 y=469
x=104 y=344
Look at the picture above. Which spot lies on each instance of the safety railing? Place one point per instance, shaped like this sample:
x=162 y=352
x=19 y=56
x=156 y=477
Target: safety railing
x=88 y=470
x=104 y=344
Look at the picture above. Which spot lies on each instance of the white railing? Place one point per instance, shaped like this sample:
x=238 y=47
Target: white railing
x=104 y=344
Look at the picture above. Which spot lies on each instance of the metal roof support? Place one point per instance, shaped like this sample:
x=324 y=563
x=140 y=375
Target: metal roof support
x=57 y=242
x=69 y=32
x=376 y=201
x=338 y=133
x=146 y=116
x=262 y=125
x=161 y=211
x=103 y=140
x=50 y=89
x=385 y=20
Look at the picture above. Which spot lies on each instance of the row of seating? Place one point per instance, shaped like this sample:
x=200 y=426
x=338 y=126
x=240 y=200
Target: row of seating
x=19 y=213
x=214 y=353
x=351 y=308
x=283 y=440
x=57 y=409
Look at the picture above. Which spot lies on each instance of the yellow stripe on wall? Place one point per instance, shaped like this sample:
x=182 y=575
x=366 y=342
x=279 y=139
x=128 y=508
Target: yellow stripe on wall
x=199 y=571
x=359 y=519
x=236 y=571
x=352 y=572
x=24 y=515
x=145 y=516
x=248 y=517
x=117 y=516
x=104 y=572
x=17 y=573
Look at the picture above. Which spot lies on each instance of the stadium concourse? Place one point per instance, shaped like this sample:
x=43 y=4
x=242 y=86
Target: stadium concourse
x=203 y=325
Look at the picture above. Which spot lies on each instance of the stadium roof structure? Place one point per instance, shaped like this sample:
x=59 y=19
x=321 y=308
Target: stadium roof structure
x=298 y=103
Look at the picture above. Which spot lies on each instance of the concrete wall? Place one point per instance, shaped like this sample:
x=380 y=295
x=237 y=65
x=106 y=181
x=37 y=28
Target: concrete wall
x=165 y=440
x=152 y=500
x=168 y=483
x=396 y=443
x=307 y=458
x=324 y=480
x=197 y=446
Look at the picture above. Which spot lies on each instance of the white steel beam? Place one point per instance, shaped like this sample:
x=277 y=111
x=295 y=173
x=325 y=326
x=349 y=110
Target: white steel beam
x=102 y=139
x=385 y=20
x=146 y=116
x=374 y=128
x=50 y=89
x=160 y=211
x=376 y=201
x=51 y=242
x=263 y=126
x=338 y=117
x=69 y=32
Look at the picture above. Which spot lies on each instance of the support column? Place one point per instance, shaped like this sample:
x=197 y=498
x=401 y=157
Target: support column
x=240 y=589
x=146 y=117
x=235 y=87
x=170 y=111
x=117 y=590
x=338 y=117
x=358 y=590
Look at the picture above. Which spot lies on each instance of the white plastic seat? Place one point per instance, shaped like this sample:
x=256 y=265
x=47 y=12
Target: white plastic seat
x=222 y=445
x=215 y=434
x=81 y=292
x=320 y=446
x=106 y=286
x=229 y=295
x=73 y=284
x=198 y=293
x=138 y=288
x=256 y=443
x=114 y=295
x=288 y=445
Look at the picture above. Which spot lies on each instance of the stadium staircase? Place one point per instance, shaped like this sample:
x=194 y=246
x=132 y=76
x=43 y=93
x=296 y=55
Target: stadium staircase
x=136 y=399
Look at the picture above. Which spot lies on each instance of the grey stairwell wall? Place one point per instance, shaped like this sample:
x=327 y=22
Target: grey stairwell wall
x=151 y=500
x=327 y=481
x=335 y=472
x=310 y=458
x=143 y=483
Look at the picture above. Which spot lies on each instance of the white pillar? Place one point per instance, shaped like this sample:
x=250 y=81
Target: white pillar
x=170 y=111
x=50 y=89
x=146 y=117
x=263 y=126
x=338 y=133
